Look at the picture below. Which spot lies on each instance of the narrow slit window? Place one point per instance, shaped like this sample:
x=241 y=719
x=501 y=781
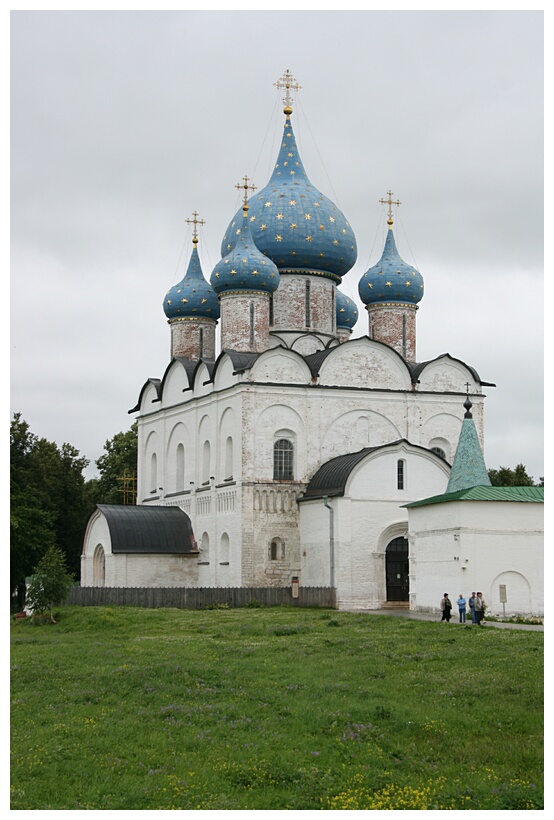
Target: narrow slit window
x=401 y=474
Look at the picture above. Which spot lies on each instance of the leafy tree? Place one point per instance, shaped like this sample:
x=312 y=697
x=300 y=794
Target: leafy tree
x=48 y=502
x=50 y=584
x=506 y=477
x=118 y=460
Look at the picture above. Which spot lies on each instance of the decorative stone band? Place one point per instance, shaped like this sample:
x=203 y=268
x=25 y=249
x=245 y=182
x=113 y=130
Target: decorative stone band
x=242 y=292
x=378 y=305
x=307 y=272
x=205 y=319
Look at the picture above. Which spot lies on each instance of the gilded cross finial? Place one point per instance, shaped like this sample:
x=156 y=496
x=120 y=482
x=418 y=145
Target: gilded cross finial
x=195 y=221
x=390 y=203
x=246 y=187
x=288 y=82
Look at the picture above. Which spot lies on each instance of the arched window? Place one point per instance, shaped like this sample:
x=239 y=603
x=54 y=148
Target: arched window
x=205 y=546
x=439 y=451
x=153 y=473
x=277 y=549
x=99 y=567
x=180 y=468
x=228 y=471
x=362 y=430
x=401 y=474
x=224 y=549
x=206 y=451
x=283 y=460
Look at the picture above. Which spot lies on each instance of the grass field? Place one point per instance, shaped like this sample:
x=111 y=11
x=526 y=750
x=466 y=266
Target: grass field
x=283 y=708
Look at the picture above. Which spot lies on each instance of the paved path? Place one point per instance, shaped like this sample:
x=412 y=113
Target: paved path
x=429 y=616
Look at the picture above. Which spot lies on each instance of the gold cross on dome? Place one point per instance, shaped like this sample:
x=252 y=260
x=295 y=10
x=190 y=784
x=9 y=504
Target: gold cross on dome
x=195 y=221
x=390 y=203
x=246 y=187
x=288 y=82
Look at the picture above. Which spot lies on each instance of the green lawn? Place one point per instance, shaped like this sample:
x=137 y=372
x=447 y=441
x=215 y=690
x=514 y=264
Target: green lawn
x=283 y=708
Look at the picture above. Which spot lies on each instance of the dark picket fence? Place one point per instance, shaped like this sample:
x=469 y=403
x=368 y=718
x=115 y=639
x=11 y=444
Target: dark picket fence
x=189 y=598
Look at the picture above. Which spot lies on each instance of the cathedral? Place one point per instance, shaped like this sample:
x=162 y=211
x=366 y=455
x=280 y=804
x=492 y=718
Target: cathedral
x=294 y=450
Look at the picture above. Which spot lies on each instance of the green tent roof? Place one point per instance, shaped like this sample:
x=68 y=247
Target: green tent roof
x=482 y=493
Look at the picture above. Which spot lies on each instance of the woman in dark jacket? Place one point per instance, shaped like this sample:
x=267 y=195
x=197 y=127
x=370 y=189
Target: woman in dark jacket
x=446 y=607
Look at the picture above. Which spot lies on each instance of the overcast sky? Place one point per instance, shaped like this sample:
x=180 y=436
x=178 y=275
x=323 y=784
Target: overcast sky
x=124 y=123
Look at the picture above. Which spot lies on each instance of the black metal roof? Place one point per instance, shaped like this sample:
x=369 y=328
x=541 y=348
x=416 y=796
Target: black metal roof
x=146 y=529
x=330 y=479
x=332 y=476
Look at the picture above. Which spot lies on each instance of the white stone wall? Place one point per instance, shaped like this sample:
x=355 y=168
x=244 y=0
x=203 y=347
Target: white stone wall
x=467 y=546
x=365 y=520
x=362 y=397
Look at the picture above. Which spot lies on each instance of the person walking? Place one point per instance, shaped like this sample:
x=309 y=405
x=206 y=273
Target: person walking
x=478 y=608
x=471 y=604
x=462 y=608
x=446 y=608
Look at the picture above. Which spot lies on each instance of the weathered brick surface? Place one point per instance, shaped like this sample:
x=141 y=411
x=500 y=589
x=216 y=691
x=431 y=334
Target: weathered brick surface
x=395 y=325
x=289 y=304
x=240 y=328
x=186 y=339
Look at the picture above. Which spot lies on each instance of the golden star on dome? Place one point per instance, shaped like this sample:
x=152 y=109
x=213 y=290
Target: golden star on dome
x=331 y=219
x=408 y=284
x=204 y=301
x=264 y=227
x=267 y=205
x=292 y=202
x=369 y=285
x=309 y=238
x=169 y=301
x=184 y=300
x=307 y=216
x=279 y=216
x=294 y=225
x=278 y=237
x=388 y=284
x=254 y=273
x=335 y=241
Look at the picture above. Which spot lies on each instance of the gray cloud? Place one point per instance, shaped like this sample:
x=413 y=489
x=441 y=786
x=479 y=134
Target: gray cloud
x=123 y=123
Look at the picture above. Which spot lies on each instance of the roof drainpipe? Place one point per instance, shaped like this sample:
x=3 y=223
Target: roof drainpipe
x=331 y=543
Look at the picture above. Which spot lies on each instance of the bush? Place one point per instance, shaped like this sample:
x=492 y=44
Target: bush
x=49 y=585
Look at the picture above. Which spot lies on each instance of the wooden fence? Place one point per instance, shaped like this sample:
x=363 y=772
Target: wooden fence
x=189 y=598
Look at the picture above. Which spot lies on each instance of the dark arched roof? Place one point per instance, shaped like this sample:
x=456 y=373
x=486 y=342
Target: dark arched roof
x=416 y=368
x=330 y=479
x=157 y=384
x=144 y=529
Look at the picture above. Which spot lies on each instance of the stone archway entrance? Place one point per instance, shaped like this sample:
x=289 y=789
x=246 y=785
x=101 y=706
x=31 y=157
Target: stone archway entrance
x=397 y=569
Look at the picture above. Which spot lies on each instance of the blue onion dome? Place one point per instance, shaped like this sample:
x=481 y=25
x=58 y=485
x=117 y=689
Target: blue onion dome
x=347 y=312
x=391 y=279
x=294 y=224
x=193 y=297
x=245 y=267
